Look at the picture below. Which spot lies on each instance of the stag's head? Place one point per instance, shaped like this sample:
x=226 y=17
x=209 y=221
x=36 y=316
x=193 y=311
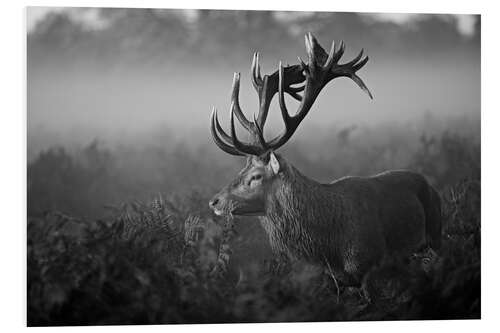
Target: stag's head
x=248 y=192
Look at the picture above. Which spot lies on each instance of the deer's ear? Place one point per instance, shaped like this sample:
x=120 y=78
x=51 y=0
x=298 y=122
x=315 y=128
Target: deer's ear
x=274 y=163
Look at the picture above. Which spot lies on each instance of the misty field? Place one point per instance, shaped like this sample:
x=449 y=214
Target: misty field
x=124 y=235
x=121 y=165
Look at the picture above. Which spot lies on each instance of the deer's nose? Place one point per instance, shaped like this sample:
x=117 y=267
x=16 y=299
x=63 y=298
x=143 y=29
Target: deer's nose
x=214 y=202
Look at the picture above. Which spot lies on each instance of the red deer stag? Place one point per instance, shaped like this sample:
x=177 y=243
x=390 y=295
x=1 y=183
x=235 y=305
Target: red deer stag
x=349 y=224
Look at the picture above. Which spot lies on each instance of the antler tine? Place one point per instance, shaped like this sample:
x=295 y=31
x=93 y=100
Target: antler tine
x=235 y=101
x=329 y=60
x=349 y=70
x=218 y=141
x=261 y=87
x=221 y=131
x=240 y=146
x=360 y=64
x=260 y=134
x=340 y=52
x=361 y=84
x=265 y=97
x=310 y=41
x=281 y=96
x=256 y=77
x=355 y=60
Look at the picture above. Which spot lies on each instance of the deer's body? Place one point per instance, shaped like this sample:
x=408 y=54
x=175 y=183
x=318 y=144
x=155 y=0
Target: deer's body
x=353 y=222
x=349 y=224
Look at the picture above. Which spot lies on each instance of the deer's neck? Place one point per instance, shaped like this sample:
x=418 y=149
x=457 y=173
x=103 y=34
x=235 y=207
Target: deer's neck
x=299 y=210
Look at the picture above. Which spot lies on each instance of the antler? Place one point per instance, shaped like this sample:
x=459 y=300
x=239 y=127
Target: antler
x=320 y=69
x=266 y=88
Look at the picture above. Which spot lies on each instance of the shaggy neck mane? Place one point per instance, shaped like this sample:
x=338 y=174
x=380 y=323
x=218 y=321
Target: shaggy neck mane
x=299 y=210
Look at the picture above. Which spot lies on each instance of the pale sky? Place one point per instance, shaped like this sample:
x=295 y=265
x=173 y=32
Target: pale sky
x=35 y=14
x=465 y=22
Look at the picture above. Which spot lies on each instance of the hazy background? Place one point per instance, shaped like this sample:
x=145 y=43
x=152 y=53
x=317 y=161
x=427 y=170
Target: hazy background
x=117 y=74
x=121 y=97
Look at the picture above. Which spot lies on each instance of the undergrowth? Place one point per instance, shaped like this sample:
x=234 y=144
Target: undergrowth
x=170 y=260
x=151 y=263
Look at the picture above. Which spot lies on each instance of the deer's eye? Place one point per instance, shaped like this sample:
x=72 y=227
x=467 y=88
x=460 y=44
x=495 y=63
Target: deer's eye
x=254 y=179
